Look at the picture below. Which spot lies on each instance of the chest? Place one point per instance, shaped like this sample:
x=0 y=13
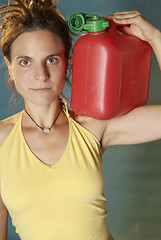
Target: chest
x=48 y=148
x=75 y=180
x=70 y=191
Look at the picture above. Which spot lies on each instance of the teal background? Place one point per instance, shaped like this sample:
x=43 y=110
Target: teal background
x=132 y=173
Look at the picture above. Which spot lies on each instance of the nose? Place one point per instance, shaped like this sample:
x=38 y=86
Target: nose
x=41 y=73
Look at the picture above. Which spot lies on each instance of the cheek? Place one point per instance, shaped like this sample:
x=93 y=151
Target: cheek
x=58 y=75
x=21 y=81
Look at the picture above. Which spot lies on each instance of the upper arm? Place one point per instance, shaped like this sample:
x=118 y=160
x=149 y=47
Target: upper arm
x=3 y=210
x=3 y=220
x=143 y=124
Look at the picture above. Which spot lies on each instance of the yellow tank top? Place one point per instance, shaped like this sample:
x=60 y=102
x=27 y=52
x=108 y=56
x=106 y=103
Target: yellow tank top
x=65 y=201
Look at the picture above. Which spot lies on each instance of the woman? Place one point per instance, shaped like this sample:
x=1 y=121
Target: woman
x=51 y=179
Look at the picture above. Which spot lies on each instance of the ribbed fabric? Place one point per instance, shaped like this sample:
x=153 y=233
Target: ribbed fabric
x=65 y=201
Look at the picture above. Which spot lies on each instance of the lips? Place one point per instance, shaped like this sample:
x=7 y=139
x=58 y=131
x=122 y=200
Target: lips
x=41 y=89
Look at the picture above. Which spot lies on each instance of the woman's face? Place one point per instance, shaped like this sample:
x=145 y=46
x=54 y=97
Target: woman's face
x=38 y=66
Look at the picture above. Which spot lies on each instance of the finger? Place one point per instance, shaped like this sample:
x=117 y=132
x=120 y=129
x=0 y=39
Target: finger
x=110 y=17
x=121 y=14
x=126 y=15
x=127 y=12
x=127 y=21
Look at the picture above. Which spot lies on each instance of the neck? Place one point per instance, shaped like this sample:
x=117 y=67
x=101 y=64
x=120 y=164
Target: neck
x=43 y=115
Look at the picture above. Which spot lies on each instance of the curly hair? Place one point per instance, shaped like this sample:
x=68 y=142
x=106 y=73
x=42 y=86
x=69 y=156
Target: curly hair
x=28 y=15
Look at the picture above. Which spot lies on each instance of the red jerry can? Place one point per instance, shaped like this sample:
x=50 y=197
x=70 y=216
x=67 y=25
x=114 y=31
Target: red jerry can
x=111 y=71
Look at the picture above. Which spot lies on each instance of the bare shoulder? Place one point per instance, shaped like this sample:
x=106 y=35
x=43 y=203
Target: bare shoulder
x=140 y=125
x=95 y=126
x=6 y=127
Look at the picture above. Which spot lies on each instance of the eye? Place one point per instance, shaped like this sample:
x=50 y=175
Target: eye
x=52 y=60
x=25 y=62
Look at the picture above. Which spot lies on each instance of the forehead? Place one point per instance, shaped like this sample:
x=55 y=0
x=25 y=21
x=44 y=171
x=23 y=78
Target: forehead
x=37 y=42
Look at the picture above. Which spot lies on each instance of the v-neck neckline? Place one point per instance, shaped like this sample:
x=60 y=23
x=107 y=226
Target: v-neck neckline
x=34 y=157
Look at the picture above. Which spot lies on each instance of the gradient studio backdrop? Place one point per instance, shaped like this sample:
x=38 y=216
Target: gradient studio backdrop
x=132 y=173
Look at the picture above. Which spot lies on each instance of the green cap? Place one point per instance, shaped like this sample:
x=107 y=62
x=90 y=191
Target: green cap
x=88 y=22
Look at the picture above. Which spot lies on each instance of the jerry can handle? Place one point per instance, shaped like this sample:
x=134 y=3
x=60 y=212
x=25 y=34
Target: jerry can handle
x=113 y=27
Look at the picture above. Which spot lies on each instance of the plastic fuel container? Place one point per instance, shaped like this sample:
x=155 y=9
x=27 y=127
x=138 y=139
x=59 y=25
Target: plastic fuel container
x=111 y=70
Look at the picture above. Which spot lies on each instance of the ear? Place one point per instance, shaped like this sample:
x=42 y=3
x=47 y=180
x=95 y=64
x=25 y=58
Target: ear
x=9 y=67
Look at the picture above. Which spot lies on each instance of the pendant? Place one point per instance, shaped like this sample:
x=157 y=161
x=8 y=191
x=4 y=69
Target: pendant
x=46 y=130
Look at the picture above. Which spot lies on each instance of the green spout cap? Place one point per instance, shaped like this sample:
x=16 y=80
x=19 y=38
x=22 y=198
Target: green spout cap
x=87 y=22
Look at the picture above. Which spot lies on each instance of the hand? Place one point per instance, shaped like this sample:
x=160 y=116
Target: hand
x=137 y=25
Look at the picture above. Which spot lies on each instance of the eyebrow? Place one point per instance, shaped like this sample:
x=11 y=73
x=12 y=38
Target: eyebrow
x=27 y=57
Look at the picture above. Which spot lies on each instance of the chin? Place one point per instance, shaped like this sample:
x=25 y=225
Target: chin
x=43 y=101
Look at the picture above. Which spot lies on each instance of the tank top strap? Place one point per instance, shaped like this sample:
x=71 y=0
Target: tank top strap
x=65 y=105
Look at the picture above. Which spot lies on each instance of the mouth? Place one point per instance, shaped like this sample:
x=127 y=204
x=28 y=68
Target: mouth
x=41 y=89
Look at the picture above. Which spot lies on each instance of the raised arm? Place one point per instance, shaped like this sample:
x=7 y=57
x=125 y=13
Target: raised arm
x=143 y=124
